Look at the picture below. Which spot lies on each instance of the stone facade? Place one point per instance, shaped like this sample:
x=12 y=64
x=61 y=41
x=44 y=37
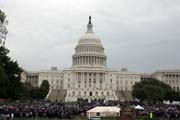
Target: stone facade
x=170 y=77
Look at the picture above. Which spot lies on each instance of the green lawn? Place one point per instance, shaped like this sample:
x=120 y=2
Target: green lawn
x=48 y=119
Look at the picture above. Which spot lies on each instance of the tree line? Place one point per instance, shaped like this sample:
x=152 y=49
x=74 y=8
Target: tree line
x=153 y=90
x=10 y=85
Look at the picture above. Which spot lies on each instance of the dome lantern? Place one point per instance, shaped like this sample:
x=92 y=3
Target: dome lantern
x=89 y=26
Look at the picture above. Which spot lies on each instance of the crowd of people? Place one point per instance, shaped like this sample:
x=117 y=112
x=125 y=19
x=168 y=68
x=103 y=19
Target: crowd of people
x=46 y=109
x=79 y=108
x=162 y=111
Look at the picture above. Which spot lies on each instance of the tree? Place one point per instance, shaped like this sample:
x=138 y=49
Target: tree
x=40 y=93
x=10 y=86
x=151 y=90
x=44 y=88
x=140 y=93
x=154 y=92
x=9 y=76
x=27 y=88
x=2 y=16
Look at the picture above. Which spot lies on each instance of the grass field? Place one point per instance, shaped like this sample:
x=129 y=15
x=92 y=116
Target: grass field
x=48 y=119
x=44 y=119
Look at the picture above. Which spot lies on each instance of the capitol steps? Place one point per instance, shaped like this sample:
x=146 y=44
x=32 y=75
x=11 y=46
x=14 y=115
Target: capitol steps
x=124 y=95
x=119 y=95
x=57 y=95
x=128 y=95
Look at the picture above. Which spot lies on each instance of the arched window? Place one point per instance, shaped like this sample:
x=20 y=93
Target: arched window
x=107 y=93
x=90 y=93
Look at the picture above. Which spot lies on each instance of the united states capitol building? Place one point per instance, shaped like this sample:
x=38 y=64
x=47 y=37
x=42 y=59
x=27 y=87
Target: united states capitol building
x=90 y=78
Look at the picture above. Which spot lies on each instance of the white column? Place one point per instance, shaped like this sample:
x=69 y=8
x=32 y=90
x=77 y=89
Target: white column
x=88 y=60
x=80 y=60
x=95 y=59
x=85 y=60
x=91 y=59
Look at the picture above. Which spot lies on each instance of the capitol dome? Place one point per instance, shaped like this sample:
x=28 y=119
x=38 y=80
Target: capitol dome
x=89 y=51
x=89 y=38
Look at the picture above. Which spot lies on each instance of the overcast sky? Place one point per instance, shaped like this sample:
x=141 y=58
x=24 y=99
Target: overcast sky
x=141 y=35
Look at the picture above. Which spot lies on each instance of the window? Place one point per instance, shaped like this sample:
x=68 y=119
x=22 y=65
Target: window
x=97 y=114
x=94 y=80
x=174 y=88
x=111 y=80
x=90 y=93
x=89 y=80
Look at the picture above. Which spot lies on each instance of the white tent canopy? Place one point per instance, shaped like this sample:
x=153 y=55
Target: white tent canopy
x=105 y=109
x=138 y=107
x=101 y=111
